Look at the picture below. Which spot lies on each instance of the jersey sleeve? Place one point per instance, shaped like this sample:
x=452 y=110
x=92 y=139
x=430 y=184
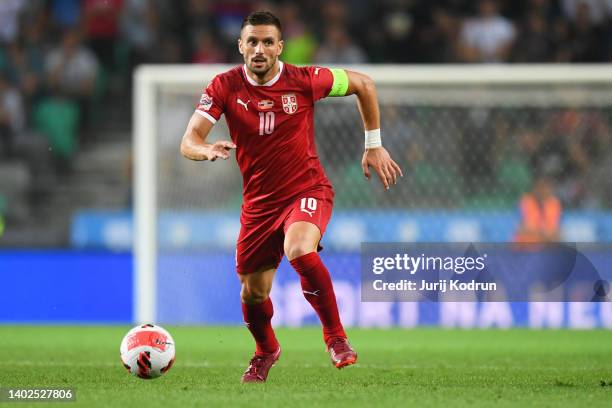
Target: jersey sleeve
x=321 y=81
x=212 y=101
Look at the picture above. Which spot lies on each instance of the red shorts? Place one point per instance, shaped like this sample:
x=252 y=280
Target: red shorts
x=262 y=234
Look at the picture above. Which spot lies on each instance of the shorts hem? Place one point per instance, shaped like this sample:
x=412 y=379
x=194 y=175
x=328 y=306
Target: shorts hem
x=248 y=271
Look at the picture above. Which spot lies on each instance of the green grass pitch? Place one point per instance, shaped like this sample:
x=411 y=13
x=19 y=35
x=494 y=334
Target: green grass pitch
x=396 y=368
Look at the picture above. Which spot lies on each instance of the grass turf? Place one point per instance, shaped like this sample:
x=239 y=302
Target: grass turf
x=424 y=367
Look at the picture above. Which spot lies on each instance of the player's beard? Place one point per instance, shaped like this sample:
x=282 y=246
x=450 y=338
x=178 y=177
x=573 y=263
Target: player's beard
x=264 y=68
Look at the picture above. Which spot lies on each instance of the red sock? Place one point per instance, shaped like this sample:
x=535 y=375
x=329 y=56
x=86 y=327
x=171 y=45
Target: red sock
x=319 y=292
x=258 y=319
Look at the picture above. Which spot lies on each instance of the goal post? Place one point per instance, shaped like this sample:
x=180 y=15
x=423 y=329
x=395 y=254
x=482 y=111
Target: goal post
x=425 y=104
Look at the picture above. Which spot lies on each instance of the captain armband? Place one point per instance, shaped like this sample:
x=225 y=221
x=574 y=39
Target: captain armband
x=341 y=82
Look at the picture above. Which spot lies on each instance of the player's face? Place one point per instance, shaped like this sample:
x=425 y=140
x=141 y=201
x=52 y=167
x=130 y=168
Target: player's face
x=260 y=46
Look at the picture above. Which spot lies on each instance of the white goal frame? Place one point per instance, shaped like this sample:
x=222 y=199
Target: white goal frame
x=150 y=78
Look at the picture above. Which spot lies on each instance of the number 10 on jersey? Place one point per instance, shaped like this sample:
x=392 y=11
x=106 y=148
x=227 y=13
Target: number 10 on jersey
x=266 y=123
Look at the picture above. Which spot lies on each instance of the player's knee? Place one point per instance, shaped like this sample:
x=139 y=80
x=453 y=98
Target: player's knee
x=297 y=249
x=251 y=294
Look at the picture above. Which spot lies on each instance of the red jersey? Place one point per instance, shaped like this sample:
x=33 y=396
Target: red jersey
x=272 y=126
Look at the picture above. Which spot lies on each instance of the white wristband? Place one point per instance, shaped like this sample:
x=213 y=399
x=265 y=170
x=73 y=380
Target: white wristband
x=372 y=139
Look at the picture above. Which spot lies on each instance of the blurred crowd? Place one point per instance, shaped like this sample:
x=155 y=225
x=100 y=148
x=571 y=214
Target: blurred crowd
x=65 y=63
x=58 y=58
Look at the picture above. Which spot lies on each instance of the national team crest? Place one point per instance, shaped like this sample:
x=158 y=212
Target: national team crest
x=290 y=105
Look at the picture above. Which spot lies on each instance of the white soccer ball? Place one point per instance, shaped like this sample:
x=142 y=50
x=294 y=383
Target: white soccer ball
x=147 y=351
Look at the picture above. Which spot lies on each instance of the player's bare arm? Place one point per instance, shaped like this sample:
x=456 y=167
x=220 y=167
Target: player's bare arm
x=194 y=146
x=375 y=156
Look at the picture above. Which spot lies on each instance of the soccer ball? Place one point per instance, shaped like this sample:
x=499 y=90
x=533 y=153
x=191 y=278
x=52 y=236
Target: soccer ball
x=147 y=351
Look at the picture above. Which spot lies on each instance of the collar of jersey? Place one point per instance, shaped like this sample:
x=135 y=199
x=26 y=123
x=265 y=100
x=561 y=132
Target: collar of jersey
x=270 y=82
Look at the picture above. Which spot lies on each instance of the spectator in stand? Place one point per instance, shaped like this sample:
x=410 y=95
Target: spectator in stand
x=71 y=70
x=337 y=48
x=549 y=10
x=584 y=43
x=71 y=67
x=607 y=38
x=487 y=37
x=399 y=24
x=199 y=15
x=170 y=50
x=438 y=41
x=12 y=116
x=26 y=73
x=140 y=29
x=9 y=19
x=227 y=17
x=540 y=213
x=300 y=44
x=596 y=10
x=206 y=50
x=534 y=42
x=333 y=13
x=64 y=14
x=26 y=64
x=101 y=22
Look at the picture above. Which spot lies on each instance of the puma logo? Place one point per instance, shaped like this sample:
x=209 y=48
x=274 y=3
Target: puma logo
x=307 y=212
x=243 y=103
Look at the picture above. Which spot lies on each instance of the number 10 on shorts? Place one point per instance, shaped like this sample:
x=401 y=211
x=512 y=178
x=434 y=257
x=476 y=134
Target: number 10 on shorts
x=308 y=205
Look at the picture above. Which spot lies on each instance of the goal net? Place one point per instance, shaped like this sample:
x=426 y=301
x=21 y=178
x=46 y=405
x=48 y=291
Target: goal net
x=470 y=140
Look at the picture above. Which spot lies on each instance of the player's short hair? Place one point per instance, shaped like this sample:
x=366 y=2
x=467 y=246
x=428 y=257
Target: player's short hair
x=261 y=18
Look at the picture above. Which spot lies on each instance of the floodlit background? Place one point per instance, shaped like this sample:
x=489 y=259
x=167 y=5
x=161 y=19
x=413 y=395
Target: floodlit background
x=473 y=157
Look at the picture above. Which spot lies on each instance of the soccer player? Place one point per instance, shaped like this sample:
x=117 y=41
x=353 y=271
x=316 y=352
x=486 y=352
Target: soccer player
x=269 y=109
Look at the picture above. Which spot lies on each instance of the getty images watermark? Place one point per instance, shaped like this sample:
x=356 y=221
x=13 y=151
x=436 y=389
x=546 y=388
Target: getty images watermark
x=454 y=272
x=413 y=264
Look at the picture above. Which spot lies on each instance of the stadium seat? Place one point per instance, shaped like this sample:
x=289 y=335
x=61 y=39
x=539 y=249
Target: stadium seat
x=15 y=180
x=97 y=97
x=2 y=205
x=58 y=120
x=3 y=59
